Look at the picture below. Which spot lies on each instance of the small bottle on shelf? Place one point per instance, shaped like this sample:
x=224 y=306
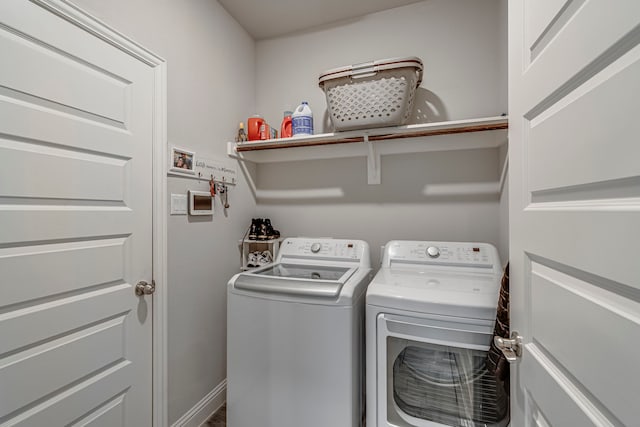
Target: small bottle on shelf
x=242 y=135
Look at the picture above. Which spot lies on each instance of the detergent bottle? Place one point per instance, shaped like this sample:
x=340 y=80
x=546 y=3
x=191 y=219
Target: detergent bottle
x=253 y=127
x=302 y=120
x=285 y=127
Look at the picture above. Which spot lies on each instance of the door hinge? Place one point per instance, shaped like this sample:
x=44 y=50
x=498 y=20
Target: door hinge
x=511 y=348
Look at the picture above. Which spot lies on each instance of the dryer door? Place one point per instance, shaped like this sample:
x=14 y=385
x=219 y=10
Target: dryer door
x=432 y=372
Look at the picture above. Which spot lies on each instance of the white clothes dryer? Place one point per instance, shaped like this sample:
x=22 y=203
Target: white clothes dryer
x=430 y=315
x=295 y=337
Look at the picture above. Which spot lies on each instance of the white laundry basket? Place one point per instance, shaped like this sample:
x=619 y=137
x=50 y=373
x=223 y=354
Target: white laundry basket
x=373 y=94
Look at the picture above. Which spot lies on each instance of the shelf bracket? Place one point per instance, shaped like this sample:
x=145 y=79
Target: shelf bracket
x=231 y=151
x=504 y=174
x=373 y=162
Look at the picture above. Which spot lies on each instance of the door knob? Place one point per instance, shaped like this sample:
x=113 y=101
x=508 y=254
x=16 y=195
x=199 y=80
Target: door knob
x=144 y=288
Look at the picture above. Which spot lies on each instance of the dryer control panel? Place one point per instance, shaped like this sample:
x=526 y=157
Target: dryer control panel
x=446 y=254
x=323 y=248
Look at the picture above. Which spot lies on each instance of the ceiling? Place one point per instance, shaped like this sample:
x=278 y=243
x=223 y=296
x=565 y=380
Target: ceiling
x=272 y=18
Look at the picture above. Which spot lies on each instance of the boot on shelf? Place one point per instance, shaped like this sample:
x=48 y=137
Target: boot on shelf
x=269 y=231
x=256 y=231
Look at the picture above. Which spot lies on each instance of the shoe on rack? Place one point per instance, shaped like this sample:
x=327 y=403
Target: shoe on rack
x=256 y=229
x=262 y=234
x=269 y=231
x=252 y=259
x=264 y=258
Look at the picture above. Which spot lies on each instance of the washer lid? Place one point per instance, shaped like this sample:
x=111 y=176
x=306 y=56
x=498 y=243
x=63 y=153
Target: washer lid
x=321 y=281
x=436 y=291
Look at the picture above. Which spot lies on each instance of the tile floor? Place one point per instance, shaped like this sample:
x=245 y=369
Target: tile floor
x=219 y=419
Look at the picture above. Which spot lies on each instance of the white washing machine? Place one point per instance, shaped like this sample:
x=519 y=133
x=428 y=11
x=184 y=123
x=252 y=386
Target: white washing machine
x=295 y=337
x=430 y=315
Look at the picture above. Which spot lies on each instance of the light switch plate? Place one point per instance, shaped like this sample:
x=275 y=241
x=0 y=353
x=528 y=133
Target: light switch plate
x=178 y=204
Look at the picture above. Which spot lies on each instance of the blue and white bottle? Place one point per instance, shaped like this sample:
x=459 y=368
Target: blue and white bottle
x=302 y=120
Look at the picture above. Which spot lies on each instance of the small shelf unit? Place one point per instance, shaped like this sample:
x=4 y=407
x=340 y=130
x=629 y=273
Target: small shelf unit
x=488 y=132
x=248 y=246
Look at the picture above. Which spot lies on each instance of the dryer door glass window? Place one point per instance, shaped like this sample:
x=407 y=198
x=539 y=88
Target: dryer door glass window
x=444 y=384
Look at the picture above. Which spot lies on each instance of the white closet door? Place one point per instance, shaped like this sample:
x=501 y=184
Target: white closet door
x=75 y=225
x=574 y=90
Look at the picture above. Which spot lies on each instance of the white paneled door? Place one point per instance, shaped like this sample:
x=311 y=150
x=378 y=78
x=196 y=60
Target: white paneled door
x=75 y=225
x=574 y=91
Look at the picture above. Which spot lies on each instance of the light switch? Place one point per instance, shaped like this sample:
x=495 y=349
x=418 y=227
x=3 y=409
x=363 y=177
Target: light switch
x=178 y=204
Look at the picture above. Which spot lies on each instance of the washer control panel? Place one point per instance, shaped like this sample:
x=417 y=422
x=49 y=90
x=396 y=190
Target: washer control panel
x=324 y=248
x=441 y=253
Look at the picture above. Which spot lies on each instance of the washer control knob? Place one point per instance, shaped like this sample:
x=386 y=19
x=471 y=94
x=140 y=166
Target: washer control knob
x=315 y=247
x=433 y=251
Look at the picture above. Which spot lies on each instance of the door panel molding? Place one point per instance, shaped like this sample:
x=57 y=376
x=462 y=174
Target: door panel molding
x=542 y=38
x=56 y=411
x=36 y=362
x=597 y=143
x=568 y=315
x=72 y=13
x=556 y=72
x=550 y=383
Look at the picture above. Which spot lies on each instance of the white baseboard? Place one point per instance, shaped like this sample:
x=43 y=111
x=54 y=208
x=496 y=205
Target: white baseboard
x=202 y=411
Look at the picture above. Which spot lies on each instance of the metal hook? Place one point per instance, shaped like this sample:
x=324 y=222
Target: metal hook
x=226 y=196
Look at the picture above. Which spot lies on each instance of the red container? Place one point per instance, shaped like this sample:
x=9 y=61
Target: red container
x=253 y=127
x=265 y=131
x=285 y=128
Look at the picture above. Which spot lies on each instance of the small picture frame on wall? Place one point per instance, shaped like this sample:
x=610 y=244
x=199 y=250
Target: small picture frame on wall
x=182 y=161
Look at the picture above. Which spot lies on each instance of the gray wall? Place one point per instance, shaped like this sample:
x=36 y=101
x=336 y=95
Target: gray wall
x=462 y=45
x=211 y=74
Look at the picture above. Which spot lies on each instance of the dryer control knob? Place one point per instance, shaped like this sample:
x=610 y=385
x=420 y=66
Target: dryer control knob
x=315 y=247
x=433 y=252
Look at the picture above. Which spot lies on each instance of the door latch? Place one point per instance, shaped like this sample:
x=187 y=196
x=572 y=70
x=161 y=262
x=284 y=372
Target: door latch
x=144 y=288
x=511 y=348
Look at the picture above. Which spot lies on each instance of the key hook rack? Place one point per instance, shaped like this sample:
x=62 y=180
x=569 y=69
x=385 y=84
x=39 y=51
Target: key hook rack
x=217 y=181
x=218 y=187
